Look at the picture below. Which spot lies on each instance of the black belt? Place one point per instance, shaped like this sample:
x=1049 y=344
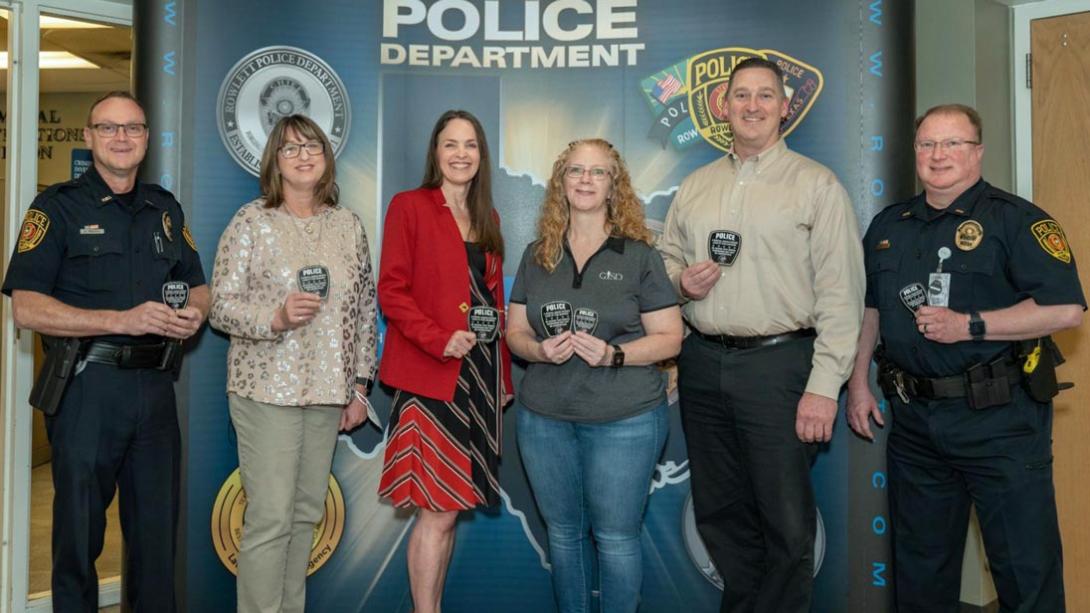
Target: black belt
x=957 y=385
x=748 y=342
x=127 y=356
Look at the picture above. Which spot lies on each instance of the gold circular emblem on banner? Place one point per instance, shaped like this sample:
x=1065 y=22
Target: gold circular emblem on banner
x=230 y=506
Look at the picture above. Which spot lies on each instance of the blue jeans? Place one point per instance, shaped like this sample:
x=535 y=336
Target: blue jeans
x=593 y=478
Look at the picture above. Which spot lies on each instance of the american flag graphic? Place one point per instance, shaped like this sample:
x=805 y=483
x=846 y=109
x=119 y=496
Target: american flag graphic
x=666 y=88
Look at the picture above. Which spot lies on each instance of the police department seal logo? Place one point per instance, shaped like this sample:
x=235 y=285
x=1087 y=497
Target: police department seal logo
x=274 y=82
x=230 y=505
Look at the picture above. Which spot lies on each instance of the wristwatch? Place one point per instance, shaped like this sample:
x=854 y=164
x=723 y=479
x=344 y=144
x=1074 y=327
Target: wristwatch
x=618 y=356
x=977 y=329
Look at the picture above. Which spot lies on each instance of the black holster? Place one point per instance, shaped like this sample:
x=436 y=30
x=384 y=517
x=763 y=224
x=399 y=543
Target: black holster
x=1040 y=372
x=61 y=356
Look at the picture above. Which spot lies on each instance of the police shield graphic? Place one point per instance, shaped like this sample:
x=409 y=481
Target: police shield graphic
x=708 y=76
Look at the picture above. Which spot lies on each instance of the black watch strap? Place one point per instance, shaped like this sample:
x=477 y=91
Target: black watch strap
x=977 y=327
x=618 y=356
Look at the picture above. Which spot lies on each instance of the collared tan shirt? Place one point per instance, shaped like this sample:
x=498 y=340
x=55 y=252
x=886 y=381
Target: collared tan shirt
x=257 y=265
x=800 y=263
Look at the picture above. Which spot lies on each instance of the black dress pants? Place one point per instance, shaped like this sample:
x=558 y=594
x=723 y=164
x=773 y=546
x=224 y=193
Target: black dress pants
x=750 y=473
x=115 y=429
x=941 y=456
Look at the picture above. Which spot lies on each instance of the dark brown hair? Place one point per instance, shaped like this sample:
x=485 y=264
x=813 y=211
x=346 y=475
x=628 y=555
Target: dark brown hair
x=482 y=218
x=757 y=62
x=953 y=109
x=326 y=191
x=117 y=93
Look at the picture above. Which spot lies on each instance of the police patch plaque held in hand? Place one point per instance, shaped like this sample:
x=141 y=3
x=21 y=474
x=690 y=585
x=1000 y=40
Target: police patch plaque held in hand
x=176 y=294
x=484 y=321
x=556 y=317
x=723 y=246
x=586 y=320
x=914 y=296
x=314 y=280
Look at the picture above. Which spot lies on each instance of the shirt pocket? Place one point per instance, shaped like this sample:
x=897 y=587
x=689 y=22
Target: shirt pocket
x=882 y=271
x=97 y=262
x=974 y=280
x=166 y=256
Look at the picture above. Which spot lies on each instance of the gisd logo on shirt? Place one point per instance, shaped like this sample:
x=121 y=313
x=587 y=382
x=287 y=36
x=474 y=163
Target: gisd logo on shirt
x=230 y=506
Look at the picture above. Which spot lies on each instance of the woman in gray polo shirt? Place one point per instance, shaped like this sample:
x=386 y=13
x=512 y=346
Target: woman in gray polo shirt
x=592 y=311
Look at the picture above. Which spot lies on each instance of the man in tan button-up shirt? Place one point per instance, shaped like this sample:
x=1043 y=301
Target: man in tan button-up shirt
x=774 y=302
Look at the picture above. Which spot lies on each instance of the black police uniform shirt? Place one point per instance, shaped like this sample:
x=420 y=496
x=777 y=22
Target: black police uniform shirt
x=621 y=281
x=91 y=249
x=1003 y=250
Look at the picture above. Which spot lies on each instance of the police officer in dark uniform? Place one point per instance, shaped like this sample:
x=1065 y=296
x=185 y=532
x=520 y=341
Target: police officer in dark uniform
x=965 y=283
x=88 y=274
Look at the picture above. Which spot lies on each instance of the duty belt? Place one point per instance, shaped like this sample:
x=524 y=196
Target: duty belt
x=128 y=356
x=957 y=386
x=748 y=342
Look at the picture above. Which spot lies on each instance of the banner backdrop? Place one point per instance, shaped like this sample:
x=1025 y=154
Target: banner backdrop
x=649 y=76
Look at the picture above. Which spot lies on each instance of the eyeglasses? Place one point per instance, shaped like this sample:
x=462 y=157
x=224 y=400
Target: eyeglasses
x=927 y=146
x=576 y=172
x=109 y=130
x=292 y=150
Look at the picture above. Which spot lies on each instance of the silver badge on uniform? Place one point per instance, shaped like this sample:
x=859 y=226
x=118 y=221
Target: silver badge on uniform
x=176 y=294
x=723 y=246
x=484 y=321
x=314 y=280
x=913 y=296
x=556 y=317
x=938 y=282
x=586 y=320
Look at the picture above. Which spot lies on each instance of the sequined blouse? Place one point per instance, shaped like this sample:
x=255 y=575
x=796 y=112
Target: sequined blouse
x=257 y=265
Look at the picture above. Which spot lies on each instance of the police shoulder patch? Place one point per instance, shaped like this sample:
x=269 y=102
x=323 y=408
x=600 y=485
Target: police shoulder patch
x=1050 y=236
x=188 y=238
x=35 y=225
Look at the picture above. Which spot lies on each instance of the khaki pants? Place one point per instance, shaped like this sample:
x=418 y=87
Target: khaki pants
x=284 y=456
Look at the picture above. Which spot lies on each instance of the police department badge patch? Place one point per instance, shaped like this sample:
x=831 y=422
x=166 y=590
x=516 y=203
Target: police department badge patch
x=1050 y=236
x=969 y=235
x=35 y=225
x=189 y=238
x=275 y=82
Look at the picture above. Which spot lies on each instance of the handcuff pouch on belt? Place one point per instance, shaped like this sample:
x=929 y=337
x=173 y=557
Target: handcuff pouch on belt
x=61 y=356
x=983 y=385
x=1040 y=357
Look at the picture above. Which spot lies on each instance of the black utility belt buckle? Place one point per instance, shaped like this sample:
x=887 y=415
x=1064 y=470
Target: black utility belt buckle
x=984 y=389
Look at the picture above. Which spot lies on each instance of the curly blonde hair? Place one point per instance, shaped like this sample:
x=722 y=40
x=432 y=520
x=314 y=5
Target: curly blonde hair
x=624 y=211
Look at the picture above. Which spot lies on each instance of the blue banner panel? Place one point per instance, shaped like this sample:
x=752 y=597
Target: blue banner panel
x=647 y=75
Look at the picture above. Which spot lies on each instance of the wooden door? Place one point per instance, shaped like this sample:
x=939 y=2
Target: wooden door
x=1060 y=48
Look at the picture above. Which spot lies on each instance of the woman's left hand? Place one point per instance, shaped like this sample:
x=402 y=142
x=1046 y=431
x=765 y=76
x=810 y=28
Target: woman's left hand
x=592 y=349
x=353 y=414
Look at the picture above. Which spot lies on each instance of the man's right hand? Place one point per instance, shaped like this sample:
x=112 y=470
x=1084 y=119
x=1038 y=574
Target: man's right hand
x=148 y=318
x=697 y=280
x=862 y=405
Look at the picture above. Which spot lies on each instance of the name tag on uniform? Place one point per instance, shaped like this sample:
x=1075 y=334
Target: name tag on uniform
x=484 y=321
x=556 y=317
x=314 y=280
x=723 y=246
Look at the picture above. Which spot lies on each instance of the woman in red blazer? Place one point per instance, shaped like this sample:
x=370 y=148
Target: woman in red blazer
x=442 y=265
